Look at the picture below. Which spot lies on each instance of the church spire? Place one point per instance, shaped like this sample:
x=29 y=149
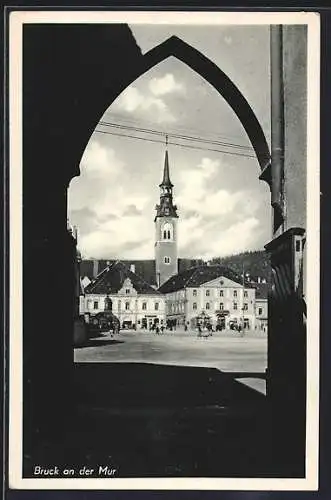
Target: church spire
x=166 y=260
x=166 y=207
x=166 y=182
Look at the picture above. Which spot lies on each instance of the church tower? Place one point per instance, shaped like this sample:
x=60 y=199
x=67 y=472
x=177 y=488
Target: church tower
x=166 y=261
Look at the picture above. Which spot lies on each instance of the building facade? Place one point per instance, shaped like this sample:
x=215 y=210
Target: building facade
x=209 y=295
x=261 y=313
x=134 y=302
x=166 y=252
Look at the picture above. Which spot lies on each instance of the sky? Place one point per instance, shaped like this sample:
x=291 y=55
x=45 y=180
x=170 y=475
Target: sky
x=223 y=207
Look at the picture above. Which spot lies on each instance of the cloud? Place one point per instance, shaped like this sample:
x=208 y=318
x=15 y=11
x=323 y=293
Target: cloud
x=214 y=222
x=131 y=211
x=99 y=161
x=197 y=192
x=209 y=241
x=133 y=100
x=165 y=84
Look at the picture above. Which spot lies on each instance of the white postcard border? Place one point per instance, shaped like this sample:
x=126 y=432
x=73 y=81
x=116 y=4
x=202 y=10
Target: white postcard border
x=17 y=19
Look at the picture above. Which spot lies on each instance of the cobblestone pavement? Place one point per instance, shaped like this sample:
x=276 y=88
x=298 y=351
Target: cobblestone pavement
x=227 y=350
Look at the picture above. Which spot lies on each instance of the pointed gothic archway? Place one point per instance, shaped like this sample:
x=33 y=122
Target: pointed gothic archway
x=211 y=73
x=208 y=70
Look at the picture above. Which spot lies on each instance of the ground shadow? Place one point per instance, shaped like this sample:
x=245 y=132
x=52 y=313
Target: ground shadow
x=150 y=420
x=98 y=341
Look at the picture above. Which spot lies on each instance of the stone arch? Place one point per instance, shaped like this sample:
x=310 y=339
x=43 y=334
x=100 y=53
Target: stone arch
x=208 y=70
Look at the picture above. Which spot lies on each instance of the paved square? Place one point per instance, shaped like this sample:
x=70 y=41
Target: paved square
x=226 y=350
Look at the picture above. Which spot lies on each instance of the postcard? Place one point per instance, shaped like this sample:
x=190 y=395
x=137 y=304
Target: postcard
x=164 y=250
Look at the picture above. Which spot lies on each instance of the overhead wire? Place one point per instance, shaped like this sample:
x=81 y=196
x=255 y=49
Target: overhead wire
x=177 y=136
x=179 y=129
x=129 y=136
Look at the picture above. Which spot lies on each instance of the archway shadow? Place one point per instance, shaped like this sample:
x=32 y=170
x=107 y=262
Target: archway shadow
x=99 y=341
x=152 y=420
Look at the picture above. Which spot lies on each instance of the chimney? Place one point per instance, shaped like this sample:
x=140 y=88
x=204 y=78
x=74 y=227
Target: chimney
x=132 y=268
x=95 y=268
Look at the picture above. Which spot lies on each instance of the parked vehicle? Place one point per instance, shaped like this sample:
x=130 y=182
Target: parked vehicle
x=103 y=322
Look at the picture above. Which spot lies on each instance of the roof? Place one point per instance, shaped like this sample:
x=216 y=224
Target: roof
x=196 y=276
x=166 y=176
x=144 y=268
x=111 y=280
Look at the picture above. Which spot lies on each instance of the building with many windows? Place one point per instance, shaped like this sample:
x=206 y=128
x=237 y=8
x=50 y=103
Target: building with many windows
x=209 y=294
x=134 y=302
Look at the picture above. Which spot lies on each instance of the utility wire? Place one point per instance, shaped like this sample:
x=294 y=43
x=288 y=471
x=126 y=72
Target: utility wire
x=176 y=136
x=174 y=144
x=191 y=130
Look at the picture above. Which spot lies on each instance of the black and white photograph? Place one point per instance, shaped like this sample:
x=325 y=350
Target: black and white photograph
x=164 y=250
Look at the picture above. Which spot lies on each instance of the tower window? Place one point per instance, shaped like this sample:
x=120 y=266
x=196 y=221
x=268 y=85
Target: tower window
x=194 y=293
x=167 y=260
x=207 y=305
x=194 y=306
x=221 y=306
x=156 y=306
x=167 y=231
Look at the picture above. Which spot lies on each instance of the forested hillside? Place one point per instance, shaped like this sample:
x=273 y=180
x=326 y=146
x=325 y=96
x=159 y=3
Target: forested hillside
x=255 y=263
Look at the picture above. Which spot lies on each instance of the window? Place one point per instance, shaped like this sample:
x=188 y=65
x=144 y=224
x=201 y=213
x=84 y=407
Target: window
x=207 y=305
x=245 y=308
x=260 y=311
x=119 y=304
x=167 y=231
x=221 y=306
x=144 y=306
x=95 y=304
x=127 y=306
x=207 y=293
x=221 y=293
x=245 y=293
x=127 y=291
x=156 y=306
x=194 y=306
x=235 y=293
x=194 y=293
x=235 y=306
x=167 y=260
